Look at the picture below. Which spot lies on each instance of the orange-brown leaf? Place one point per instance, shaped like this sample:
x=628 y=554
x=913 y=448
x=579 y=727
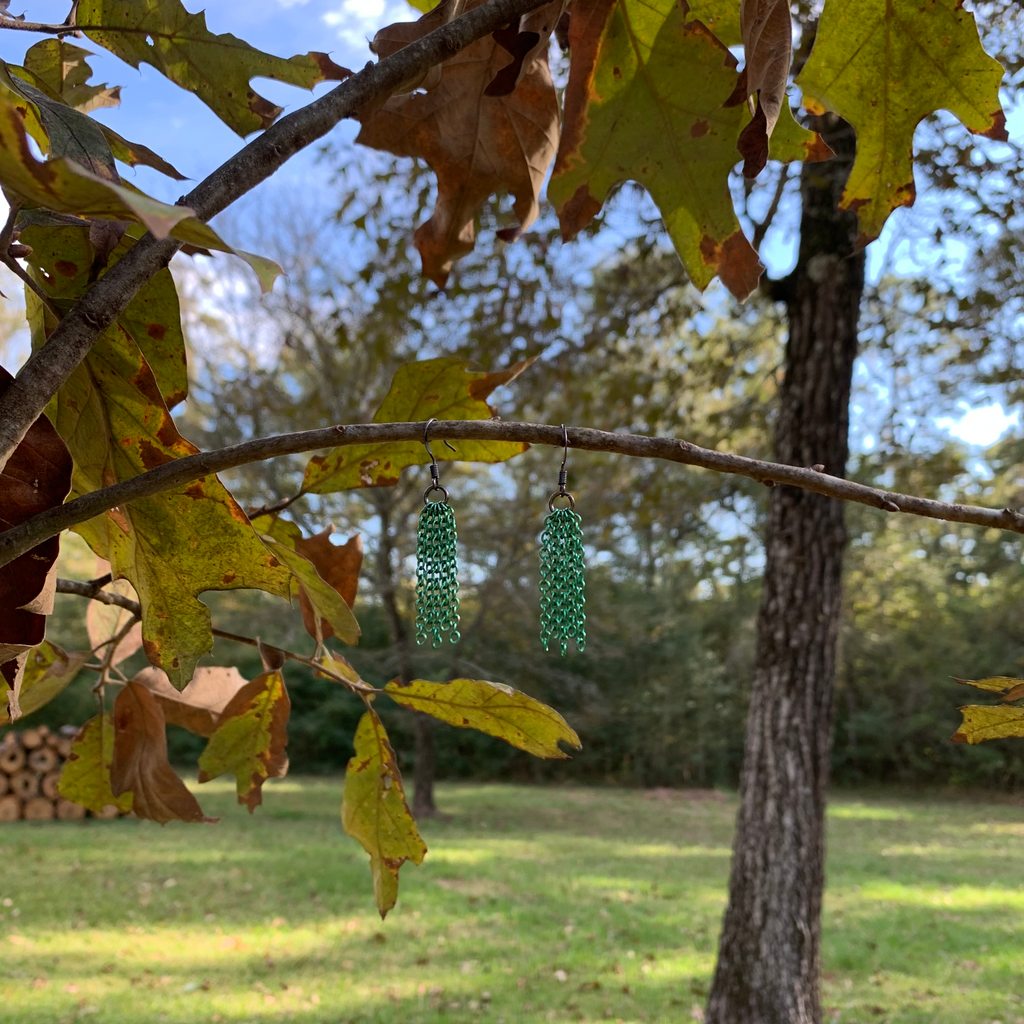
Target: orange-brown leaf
x=140 y=762
x=338 y=566
x=476 y=144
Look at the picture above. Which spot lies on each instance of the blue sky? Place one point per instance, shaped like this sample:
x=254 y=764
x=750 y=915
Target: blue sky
x=182 y=129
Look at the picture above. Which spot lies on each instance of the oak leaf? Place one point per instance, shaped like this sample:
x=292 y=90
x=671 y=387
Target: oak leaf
x=324 y=601
x=989 y=722
x=48 y=670
x=646 y=100
x=1008 y=687
x=216 y=68
x=37 y=477
x=173 y=546
x=338 y=566
x=492 y=708
x=884 y=65
x=374 y=810
x=199 y=706
x=477 y=144
x=105 y=621
x=85 y=777
x=445 y=388
x=62 y=68
x=767 y=30
x=250 y=738
x=139 y=764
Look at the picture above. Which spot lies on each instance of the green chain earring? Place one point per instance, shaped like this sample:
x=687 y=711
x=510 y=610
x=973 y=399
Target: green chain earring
x=561 y=568
x=437 y=570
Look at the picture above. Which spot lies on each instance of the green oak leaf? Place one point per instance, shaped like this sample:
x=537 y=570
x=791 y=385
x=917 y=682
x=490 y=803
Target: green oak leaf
x=884 y=65
x=646 y=101
x=374 y=810
x=216 y=68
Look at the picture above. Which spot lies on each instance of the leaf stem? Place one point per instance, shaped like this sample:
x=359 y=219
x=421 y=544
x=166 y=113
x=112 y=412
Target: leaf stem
x=89 y=591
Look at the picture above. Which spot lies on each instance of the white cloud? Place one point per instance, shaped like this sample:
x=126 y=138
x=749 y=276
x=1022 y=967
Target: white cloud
x=356 y=21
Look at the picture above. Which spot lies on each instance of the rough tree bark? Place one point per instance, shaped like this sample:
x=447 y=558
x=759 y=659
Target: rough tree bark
x=769 y=951
x=423 y=805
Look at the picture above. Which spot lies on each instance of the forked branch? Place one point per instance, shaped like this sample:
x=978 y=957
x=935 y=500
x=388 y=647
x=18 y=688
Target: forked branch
x=22 y=538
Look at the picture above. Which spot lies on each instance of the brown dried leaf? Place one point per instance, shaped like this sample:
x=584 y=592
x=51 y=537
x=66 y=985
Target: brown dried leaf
x=477 y=144
x=200 y=705
x=140 y=764
x=105 y=621
x=36 y=477
x=338 y=566
x=767 y=29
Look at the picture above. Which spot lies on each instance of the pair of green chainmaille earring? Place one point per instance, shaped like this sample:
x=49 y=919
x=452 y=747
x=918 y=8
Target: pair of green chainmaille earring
x=562 y=617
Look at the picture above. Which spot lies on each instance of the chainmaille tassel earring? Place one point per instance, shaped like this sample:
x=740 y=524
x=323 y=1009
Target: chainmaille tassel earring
x=437 y=571
x=561 y=568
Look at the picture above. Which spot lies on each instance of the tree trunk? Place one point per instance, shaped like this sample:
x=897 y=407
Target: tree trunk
x=769 y=952
x=423 y=805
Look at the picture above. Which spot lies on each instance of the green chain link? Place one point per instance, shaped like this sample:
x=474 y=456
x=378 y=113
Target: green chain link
x=437 y=575
x=561 y=581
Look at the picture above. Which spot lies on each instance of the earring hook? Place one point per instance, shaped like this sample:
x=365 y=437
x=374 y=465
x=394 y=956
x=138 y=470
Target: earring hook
x=563 y=476
x=435 y=483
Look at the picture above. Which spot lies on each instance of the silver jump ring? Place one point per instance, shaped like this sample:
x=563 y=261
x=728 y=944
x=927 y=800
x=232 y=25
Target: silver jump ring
x=435 y=487
x=561 y=494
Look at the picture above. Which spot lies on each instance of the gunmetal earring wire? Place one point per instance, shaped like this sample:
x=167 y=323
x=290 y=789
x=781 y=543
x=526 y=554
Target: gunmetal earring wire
x=562 y=617
x=437 y=570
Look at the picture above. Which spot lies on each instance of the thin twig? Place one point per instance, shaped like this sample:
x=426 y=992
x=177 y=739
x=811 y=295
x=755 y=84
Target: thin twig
x=51 y=365
x=87 y=590
x=19 y=539
x=761 y=227
x=17 y=25
x=15 y=268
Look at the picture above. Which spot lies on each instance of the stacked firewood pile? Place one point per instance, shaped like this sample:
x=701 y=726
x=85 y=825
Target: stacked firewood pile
x=30 y=765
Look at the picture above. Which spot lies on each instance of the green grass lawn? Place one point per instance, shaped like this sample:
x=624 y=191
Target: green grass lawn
x=554 y=904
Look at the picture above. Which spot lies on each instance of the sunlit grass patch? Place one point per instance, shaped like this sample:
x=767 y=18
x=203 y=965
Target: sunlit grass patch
x=532 y=905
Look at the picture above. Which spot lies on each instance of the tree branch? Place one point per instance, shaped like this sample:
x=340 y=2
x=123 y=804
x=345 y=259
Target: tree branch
x=18 y=25
x=90 y=591
x=49 y=367
x=19 y=539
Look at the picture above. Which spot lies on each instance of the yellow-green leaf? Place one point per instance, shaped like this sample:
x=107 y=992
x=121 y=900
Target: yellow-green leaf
x=374 y=810
x=444 y=388
x=217 y=68
x=172 y=546
x=989 y=722
x=85 y=778
x=493 y=708
x=326 y=601
x=250 y=738
x=646 y=101
x=884 y=65
x=1008 y=686
x=48 y=670
x=63 y=69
